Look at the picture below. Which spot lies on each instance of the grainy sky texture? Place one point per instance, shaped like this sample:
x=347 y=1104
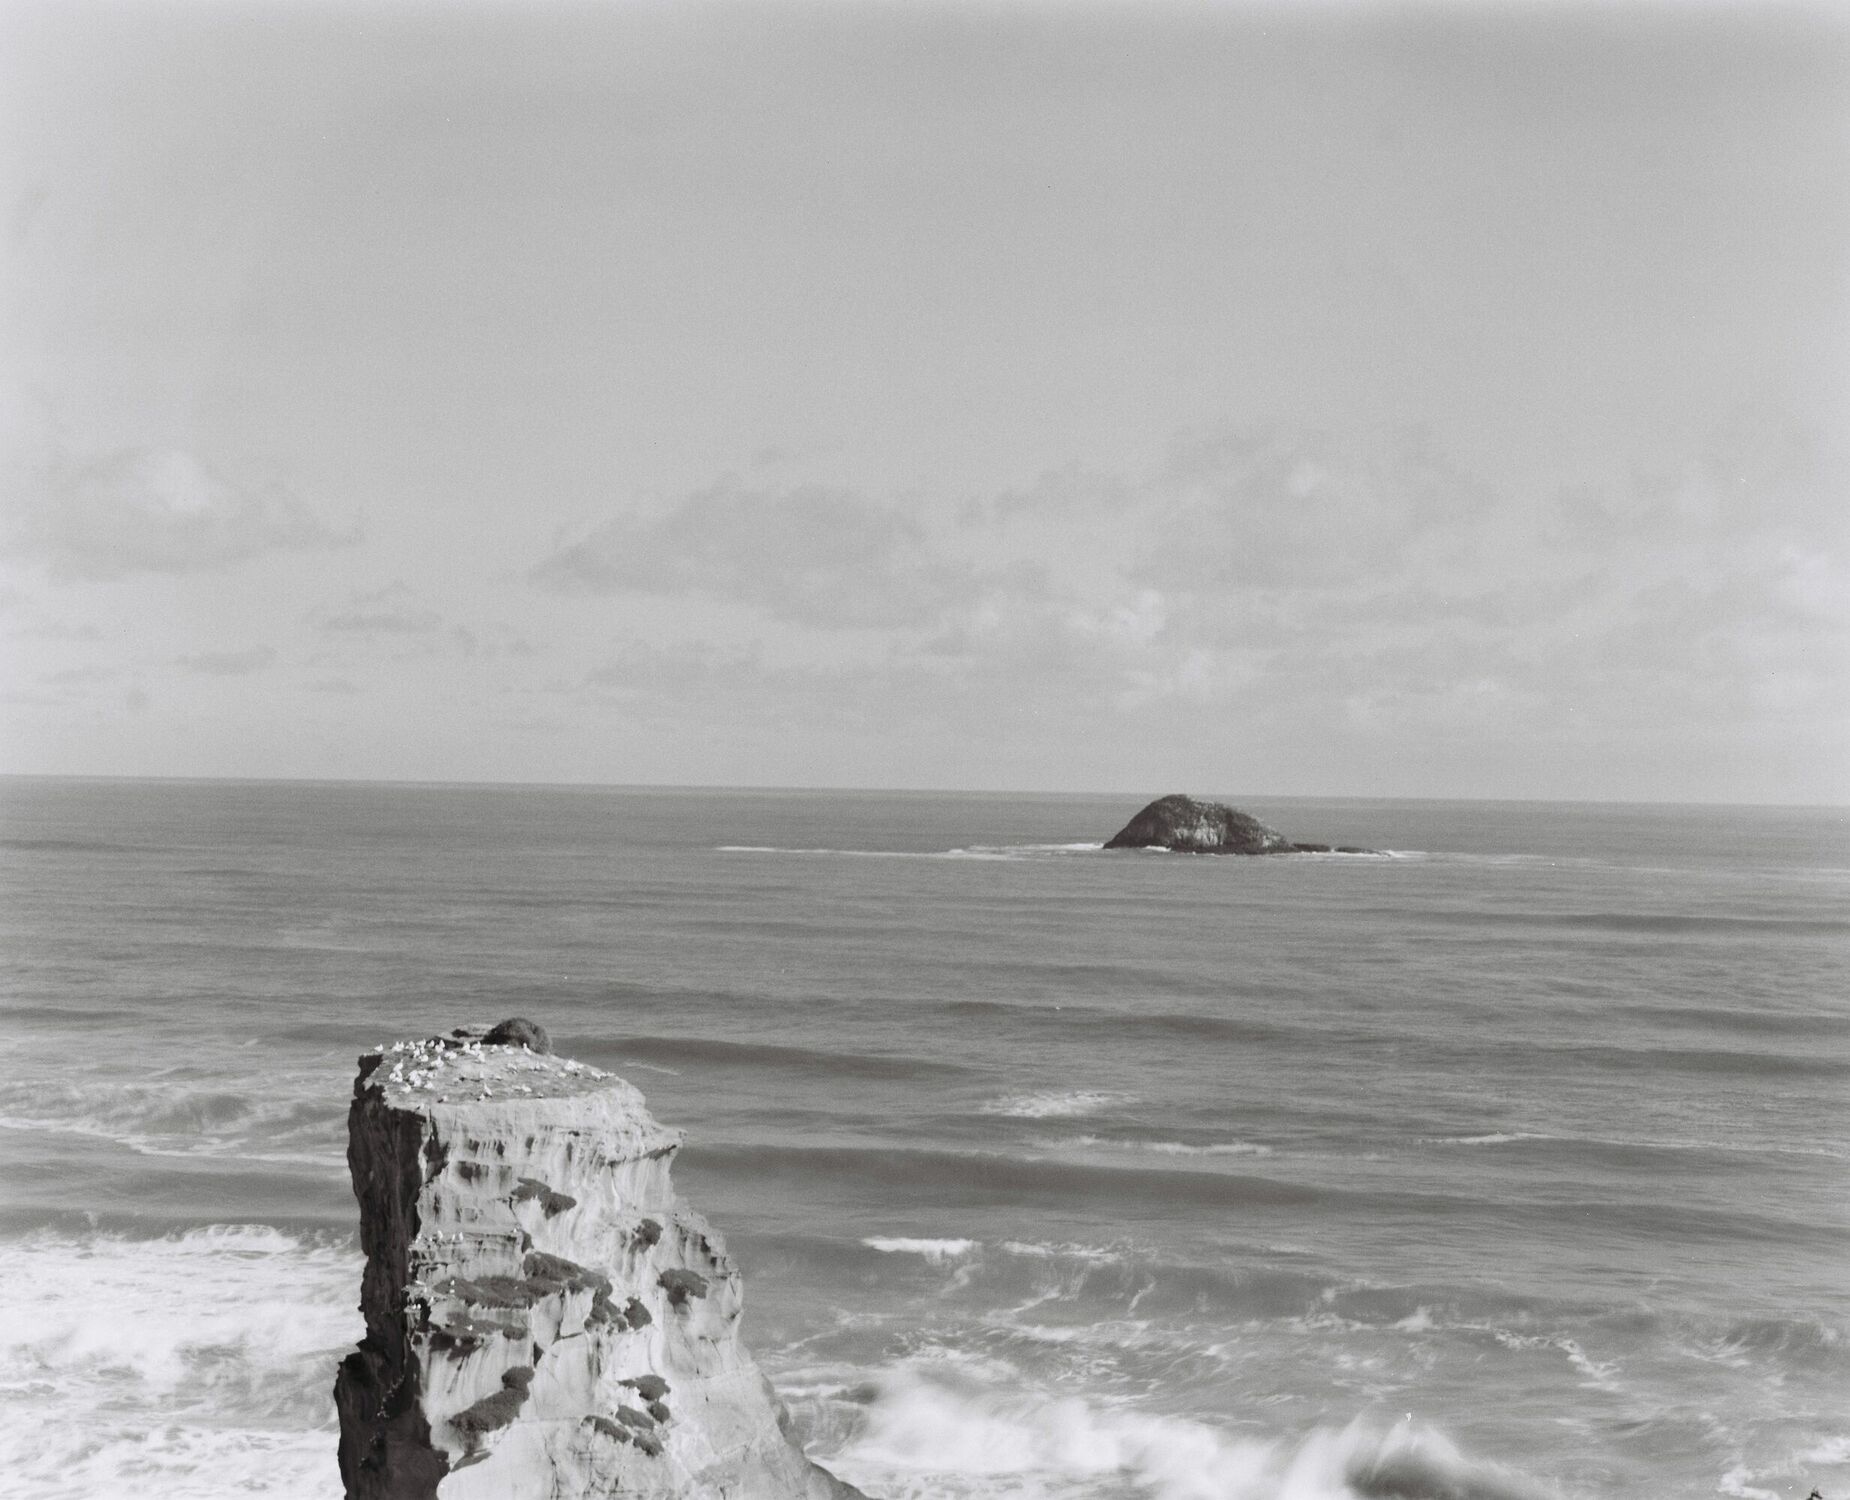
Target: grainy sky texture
x=1369 y=400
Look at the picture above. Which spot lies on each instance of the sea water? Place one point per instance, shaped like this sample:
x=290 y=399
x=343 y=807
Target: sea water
x=1511 y=1163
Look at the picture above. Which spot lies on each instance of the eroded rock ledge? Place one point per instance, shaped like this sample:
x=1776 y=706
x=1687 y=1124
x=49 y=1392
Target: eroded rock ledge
x=545 y=1319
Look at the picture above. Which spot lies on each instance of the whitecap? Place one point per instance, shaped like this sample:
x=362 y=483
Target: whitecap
x=970 y=1429
x=1212 y=1148
x=969 y=851
x=937 y=1252
x=1054 y=1104
x=1099 y=1253
x=1735 y=1482
x=122 y=1381
x=1494 y=1138
x=1158 y=1148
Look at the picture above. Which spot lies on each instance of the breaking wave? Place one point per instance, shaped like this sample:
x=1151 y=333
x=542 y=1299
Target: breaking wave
x=197 y=1365
x=1054 y=1104
x=951 y=1427
x=715 y=1051
x=1161 y=1148
x=936 y=1252
x=972 y=851
x=169 y=1118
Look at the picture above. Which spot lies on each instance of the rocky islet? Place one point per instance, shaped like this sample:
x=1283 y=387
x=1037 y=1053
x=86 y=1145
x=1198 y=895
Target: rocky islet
x=1188 y=825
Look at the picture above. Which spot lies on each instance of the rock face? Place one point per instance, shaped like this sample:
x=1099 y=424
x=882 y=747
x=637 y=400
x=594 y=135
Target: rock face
x=1194 y=827
x=545 y=1319
x=1182 y=823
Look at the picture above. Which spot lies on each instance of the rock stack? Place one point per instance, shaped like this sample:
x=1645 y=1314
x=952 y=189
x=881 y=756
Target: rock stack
x=544 y=1318
x=1188 y=825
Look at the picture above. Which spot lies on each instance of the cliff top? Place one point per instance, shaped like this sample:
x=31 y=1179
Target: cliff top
x=467 y=1068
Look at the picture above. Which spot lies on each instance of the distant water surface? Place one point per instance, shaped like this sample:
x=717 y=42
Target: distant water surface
x=1513 y=1164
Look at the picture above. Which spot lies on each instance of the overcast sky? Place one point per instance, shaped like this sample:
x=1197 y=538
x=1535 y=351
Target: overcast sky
x=1371 y=400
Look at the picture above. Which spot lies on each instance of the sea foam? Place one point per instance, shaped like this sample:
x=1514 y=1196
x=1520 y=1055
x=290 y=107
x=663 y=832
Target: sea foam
x=1054 y=1104
x=937 y=1252
x=970 y=1429
x=190 y=1367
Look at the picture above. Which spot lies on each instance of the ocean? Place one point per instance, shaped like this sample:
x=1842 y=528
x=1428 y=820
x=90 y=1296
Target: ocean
x=1513 y=1164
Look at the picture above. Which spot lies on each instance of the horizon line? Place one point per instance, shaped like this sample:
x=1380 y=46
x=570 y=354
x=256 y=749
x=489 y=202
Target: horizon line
x=463 y=784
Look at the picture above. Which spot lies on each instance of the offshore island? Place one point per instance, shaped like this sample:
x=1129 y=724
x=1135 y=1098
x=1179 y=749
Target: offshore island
x=1187 y=825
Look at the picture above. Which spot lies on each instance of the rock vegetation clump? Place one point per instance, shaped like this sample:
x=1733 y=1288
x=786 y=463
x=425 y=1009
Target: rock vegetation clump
x=518 y=1031
x=498 y=1409
x=680 y=1284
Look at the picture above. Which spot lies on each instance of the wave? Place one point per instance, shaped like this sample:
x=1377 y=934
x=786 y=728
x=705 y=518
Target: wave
x=1212 y=1148
x=954 y=1181
x=1126 y=1295
x=968 y=1427
x=1703 y=1060
x=1652 y=923
x=331 y=1161
x=1600 y=1375
x=909 y=1174
x=972 y=851
x=1797 y=1348
x=168 y=1118
x=1139 y=1028
x=1636 y=1151
x=869 y=853
x=1090 y=1254
x=1754 y=1022
x=1098 y=1285
x=1101 y=976
x=936 y=1252
x=1024 y=851
x=118 y=1386
x=970 y=1277
x=1054 y=1104
x=69 y=1015
x=696 y=1051
x=1211 y=1028
x=1159 y=1148
x=75 y=846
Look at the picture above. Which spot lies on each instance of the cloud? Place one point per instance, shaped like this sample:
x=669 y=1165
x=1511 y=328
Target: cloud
x=80 y=676
x=395 y=620
x=228 y=663
x=640 y=667
x=28 y=205
x=814 y=556
x=146 y=510
x=61 y=630
x=737 y=692
x=1263 y=508
x=383 y=612
x=1070 y=490
x=1300 y=586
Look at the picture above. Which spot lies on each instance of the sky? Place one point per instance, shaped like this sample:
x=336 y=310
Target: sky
x=1351 y=400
